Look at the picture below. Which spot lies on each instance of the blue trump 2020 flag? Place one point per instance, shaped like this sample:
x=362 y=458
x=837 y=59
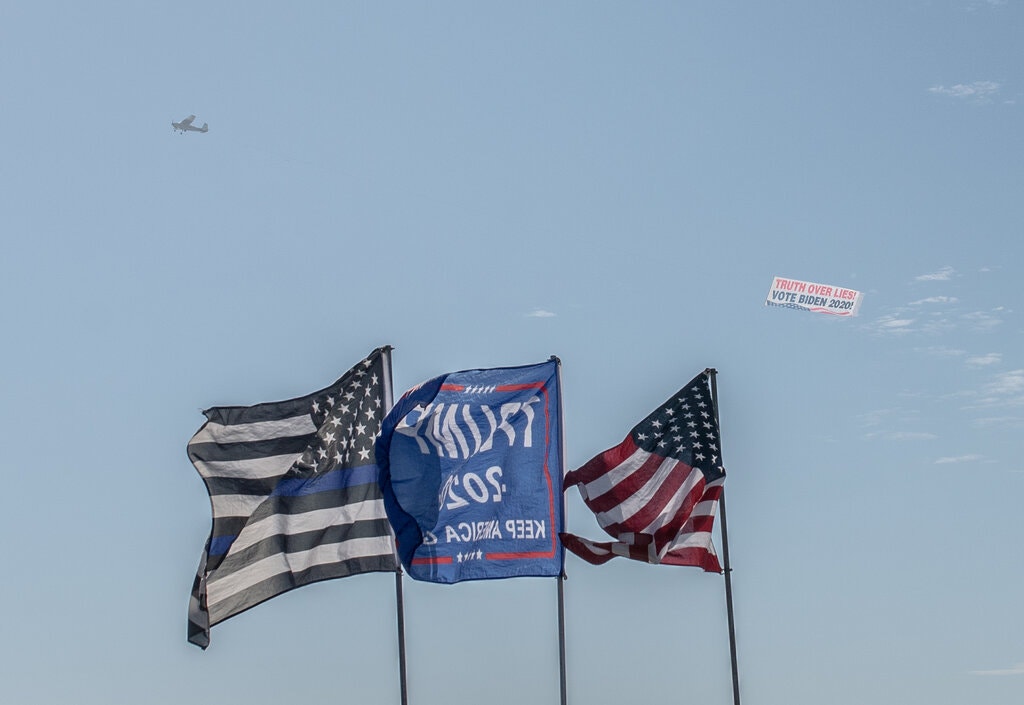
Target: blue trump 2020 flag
x=471 y=473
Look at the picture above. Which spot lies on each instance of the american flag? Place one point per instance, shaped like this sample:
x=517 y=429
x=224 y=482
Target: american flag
x=293 y=487
x=656 y=493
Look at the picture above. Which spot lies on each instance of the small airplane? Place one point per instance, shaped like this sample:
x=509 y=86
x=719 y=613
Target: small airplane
x=187 y=126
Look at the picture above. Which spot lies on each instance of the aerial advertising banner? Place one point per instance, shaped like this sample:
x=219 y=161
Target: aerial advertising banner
x=471 y=473
x=809 y=296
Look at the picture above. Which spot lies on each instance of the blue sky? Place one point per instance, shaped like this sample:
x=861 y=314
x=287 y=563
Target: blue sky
x=485 y=184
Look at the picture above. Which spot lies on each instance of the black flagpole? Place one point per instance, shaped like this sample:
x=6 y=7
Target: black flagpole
x=401 y=635
x=561 y=635
x=399 y=599
x=561 y=576
x=725 y=551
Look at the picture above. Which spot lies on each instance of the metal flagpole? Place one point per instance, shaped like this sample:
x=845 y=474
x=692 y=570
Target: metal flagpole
x=561 y=636
x=561 y=577
x=399 y=599
x=728 y=602
x=401 y=635
x=725 y=551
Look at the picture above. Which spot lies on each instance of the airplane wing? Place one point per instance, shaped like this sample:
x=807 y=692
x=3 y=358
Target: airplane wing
x=187 y=122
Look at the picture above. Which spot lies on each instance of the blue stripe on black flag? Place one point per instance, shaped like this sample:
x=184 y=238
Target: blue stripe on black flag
x=334 y=480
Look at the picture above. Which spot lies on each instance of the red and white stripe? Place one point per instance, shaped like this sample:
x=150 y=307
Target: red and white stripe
x=658 y=509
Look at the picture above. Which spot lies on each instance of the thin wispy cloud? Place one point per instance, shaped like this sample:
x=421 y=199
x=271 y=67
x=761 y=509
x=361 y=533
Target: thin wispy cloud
x=935 y=300
x=1003 y=391
x=941 y=351
x=894 y=323
x=976 y=5
x=984 y=320
x=937 y=323
x=902 y=436
x=1015 y=670
x=944 y=274
x=970 y=458
x=936 y=315
x=1000 y=422
x=978 y=91
x=540 y=313
x=879 y=424
x=878 y=416
x=1007 y=384
x=902 y=321
x=984 y=360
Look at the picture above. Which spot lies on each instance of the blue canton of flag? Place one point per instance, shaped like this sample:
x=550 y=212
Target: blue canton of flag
x=470 y=469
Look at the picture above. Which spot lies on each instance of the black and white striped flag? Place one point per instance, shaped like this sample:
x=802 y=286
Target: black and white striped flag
x=293 y=487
